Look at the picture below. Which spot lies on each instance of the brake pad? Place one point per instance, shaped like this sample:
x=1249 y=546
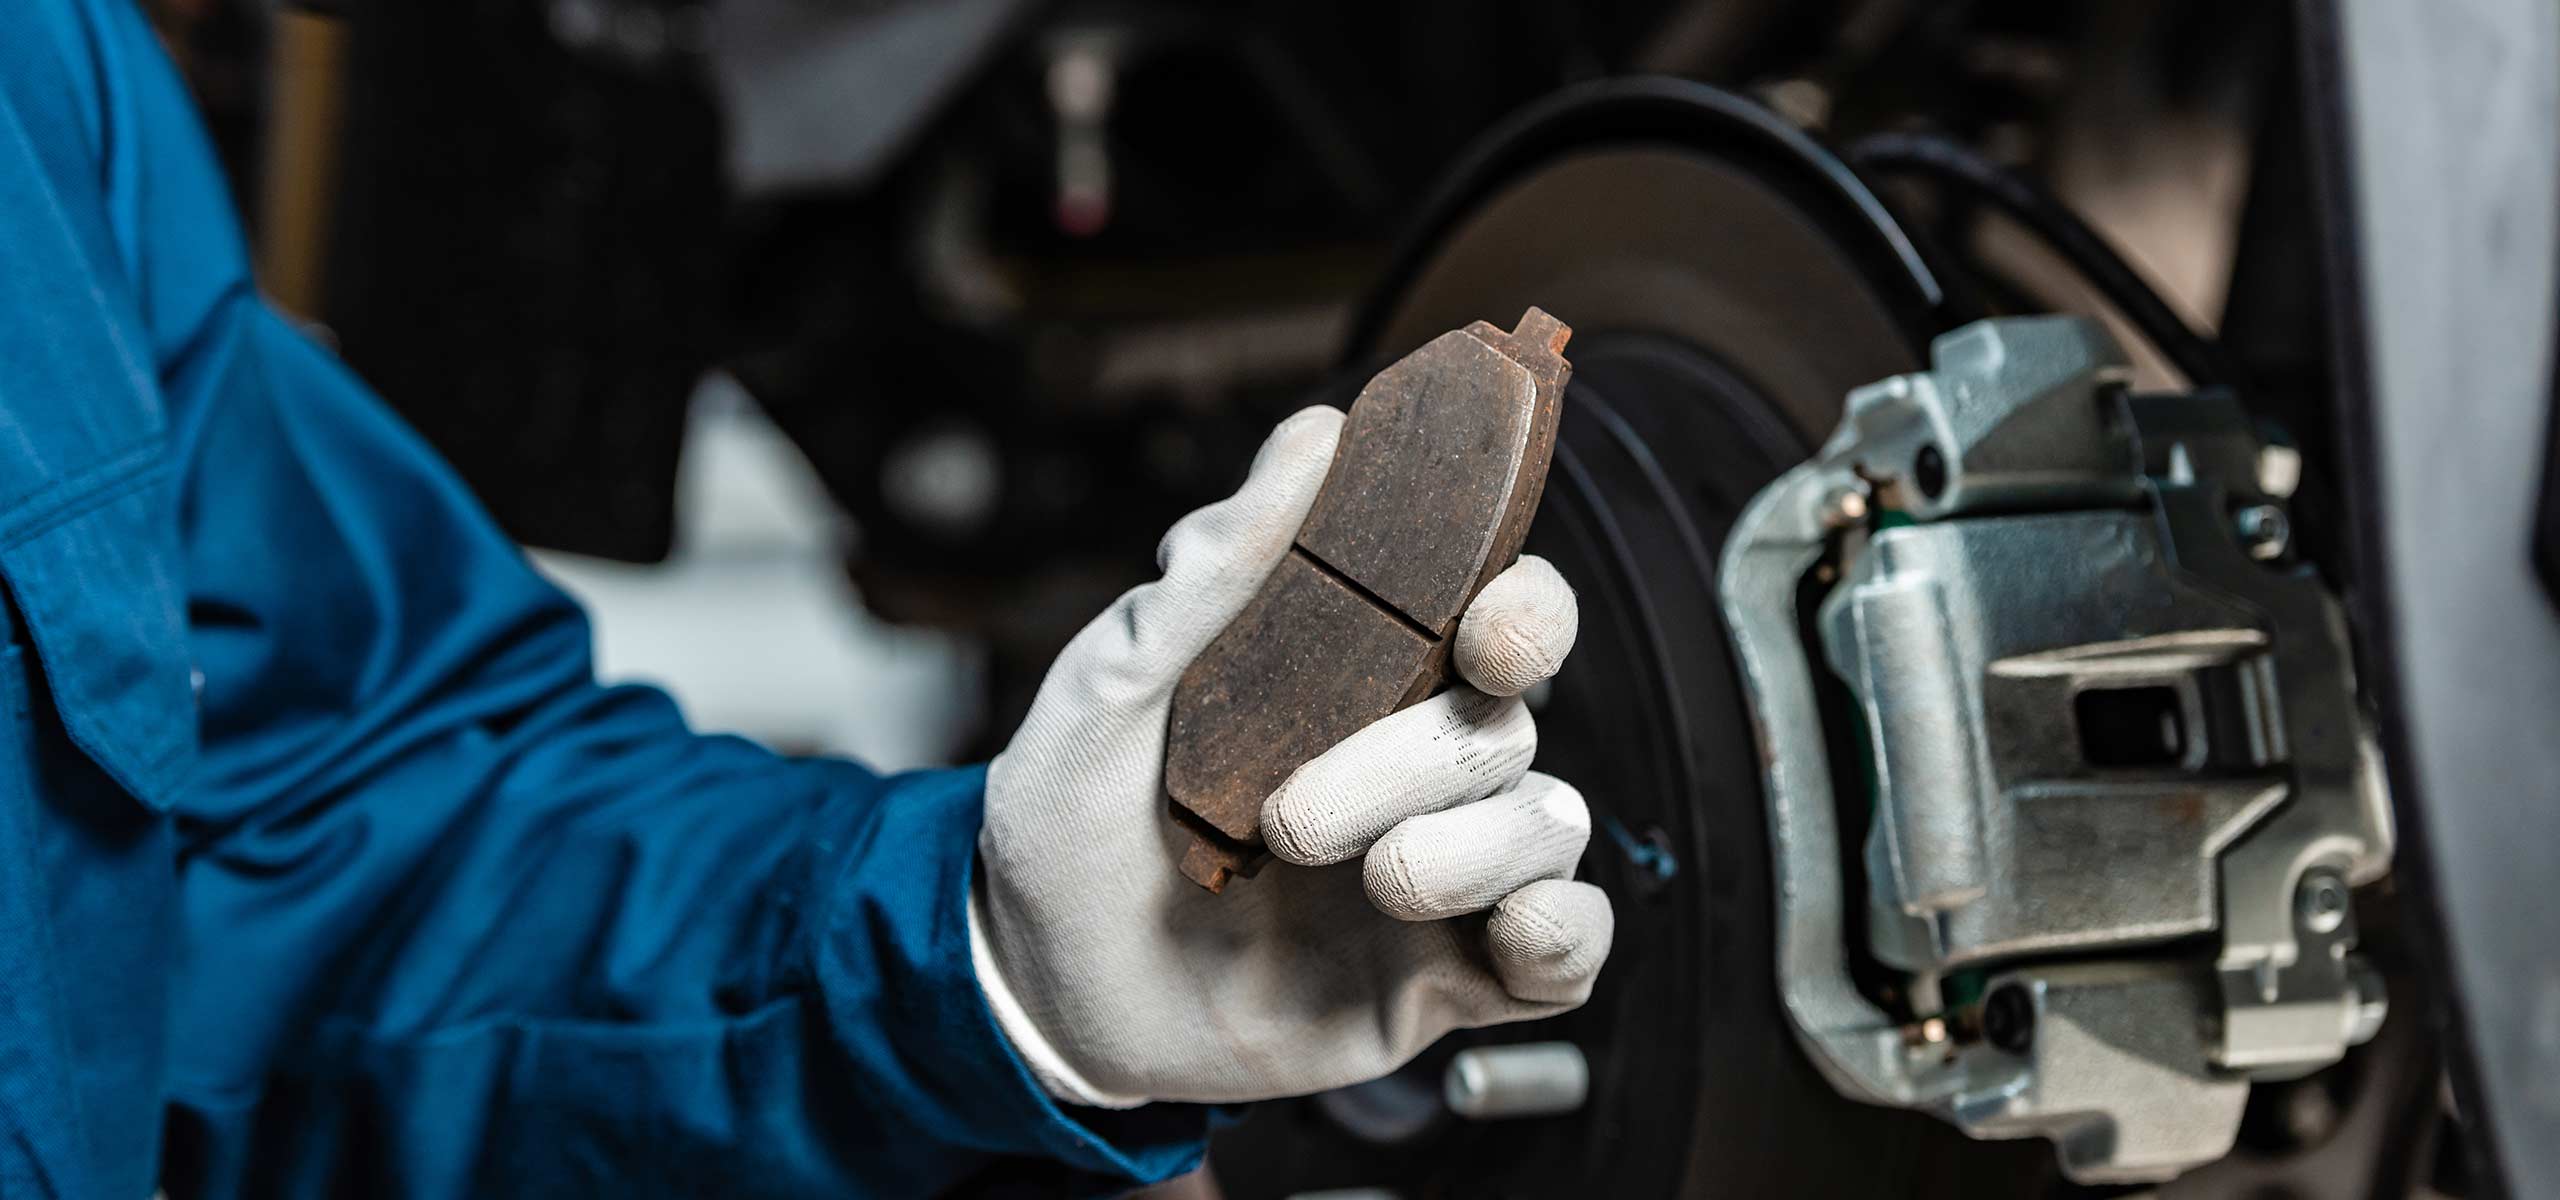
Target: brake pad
x=1438 y=473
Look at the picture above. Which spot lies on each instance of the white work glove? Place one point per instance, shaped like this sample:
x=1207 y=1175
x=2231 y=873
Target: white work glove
x=1121 y=982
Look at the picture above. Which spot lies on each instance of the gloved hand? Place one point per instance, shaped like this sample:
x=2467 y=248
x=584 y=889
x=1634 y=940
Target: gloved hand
x=1120 y=982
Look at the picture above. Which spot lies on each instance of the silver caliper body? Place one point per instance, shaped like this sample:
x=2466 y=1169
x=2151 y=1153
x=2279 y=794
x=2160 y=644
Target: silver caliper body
x=2101 y=735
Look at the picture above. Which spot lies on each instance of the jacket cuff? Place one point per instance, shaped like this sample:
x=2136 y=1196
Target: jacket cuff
x=903 y=1000
x=1048 y=1066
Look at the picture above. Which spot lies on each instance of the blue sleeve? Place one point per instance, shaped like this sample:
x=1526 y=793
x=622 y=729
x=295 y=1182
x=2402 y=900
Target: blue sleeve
x=460 y=921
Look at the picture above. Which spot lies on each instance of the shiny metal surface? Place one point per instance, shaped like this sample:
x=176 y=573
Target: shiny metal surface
x=2095 y=719
x=2125 y=1095
x=1967 y=643
x=1527 y=1079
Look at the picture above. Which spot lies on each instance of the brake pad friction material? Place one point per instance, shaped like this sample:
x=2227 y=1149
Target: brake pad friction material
x=1441 y=463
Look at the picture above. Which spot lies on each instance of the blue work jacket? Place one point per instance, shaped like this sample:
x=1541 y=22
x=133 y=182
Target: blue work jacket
x=326 y=867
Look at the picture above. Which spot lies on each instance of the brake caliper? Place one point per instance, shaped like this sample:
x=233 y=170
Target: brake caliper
x=2040 y=643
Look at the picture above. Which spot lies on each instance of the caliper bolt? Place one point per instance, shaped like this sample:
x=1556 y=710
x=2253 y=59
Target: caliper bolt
x=2009 y=1019
x=2263 y=531
x=2322 y=903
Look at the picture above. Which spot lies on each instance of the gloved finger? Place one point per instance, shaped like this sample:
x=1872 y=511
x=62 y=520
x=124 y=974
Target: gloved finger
x=1468 y=858
x=1215 y=558
x=1517 y=631
x=1548 y=940
x=1456 y=747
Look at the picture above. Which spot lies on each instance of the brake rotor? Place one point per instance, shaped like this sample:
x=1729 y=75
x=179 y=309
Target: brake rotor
x=1728 y=282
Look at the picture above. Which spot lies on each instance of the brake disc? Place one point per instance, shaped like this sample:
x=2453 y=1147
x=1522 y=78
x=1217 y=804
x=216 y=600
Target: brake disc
x=1729 y=282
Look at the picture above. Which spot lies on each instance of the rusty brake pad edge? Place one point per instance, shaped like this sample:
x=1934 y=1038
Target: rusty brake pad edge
x=1442 y=460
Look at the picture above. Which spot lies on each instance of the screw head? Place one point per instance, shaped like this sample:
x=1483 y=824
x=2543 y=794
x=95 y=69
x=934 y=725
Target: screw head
x=2322 y=903
x=2263 y=531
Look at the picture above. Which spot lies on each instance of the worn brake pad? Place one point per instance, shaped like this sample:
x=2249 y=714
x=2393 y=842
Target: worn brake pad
x=1441 y=463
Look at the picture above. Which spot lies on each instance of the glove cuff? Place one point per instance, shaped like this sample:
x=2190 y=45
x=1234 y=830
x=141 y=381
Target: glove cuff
x=1038 y=1055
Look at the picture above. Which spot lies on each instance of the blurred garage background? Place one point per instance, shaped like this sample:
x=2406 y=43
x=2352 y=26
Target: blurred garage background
x=845 y=355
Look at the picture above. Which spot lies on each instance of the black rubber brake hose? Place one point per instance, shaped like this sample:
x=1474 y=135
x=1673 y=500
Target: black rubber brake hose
x=2052 y=222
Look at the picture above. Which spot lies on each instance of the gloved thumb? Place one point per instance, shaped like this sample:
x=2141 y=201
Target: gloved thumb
x=1215 y=559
